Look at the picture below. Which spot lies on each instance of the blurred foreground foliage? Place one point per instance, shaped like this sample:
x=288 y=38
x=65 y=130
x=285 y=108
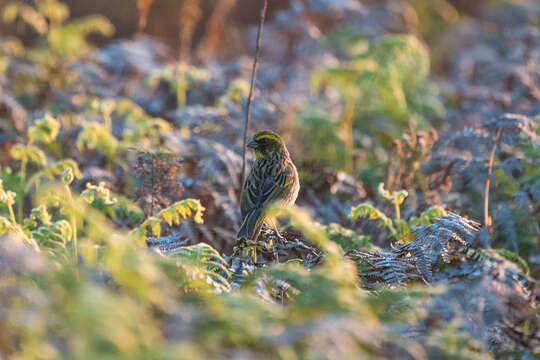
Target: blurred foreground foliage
x=84 y=288
x=124 y=301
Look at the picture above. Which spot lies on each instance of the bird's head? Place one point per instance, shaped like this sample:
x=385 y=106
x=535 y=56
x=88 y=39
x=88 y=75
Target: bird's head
x=266 y=143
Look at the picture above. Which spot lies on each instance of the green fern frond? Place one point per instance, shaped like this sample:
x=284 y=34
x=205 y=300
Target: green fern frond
x=188 y=208
x=69 y=40
x=427 y=217
x=205 y=259
x=368 y=210
x=346 y=238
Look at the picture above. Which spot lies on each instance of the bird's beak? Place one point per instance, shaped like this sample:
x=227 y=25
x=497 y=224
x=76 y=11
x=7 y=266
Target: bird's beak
x=252 y=144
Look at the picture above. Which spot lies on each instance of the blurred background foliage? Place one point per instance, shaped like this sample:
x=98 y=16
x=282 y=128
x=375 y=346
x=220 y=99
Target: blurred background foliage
x=120 y=162
x=384 y=91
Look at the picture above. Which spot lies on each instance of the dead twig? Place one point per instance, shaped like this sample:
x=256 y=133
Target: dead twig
x=252 y=85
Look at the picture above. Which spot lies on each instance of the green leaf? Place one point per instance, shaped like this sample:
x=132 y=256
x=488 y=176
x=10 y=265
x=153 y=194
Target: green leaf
x=6 y=197
x=70 y=41
x=40 y=213
x=96 y=136
x=29 y=153
x=44 y=130
x=403 y=231
x=515 y=258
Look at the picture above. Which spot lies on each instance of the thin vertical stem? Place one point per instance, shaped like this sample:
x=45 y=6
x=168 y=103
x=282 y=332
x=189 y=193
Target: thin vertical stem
x=487 y=221
x=20 y=197
x=12 y=214
x=73 y=227
x=188 y=16
x=252 y=85
x=108 y=121
x=348 y=116
x=152 y=186
x=396 y=206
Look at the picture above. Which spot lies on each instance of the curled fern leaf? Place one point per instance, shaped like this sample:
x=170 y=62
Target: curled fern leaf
x=96 y=136
x=94 y=192
x=395 y=197
x=44 y=130
x=55 y=169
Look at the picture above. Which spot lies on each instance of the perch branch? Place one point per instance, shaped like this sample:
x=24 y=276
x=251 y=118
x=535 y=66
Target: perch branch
x=252 y=85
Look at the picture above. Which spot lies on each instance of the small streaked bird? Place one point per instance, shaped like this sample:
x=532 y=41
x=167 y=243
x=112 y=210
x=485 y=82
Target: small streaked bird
x=273 y=179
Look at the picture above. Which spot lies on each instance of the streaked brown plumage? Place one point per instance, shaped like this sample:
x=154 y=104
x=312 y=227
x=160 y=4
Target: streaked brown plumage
x=273 y=179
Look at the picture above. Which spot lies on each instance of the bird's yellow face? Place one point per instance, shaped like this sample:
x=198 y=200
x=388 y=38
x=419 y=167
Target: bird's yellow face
x=266 y=143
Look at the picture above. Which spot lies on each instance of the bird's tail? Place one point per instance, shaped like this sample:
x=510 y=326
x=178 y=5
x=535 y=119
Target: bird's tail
x=251 y=226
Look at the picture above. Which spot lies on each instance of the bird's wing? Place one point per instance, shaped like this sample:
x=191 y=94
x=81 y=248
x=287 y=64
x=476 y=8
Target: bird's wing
x=278 y=189
x=260 y=191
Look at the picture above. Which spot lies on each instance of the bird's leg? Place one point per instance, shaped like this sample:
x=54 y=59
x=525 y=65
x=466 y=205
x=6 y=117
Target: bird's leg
x=248 y=249
x=280 y=239
x=274 y=225
x=253 y=253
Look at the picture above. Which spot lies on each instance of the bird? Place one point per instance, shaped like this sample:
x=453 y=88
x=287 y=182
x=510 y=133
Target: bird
x=272 y=179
